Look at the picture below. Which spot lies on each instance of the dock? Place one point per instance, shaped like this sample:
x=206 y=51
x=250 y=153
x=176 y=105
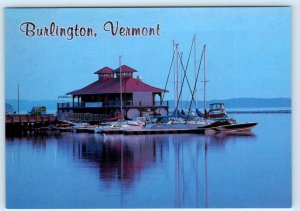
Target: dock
x=144 y=131
x=148 y=131
x=23 y=123
x=28 y=122
x=29 y=118
x=164 y=131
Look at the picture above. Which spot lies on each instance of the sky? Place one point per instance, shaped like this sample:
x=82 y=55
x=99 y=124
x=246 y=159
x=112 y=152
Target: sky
x=248 y=50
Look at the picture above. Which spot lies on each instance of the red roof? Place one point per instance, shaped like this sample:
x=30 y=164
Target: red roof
x=112 y=85
x=105 y=70
x=125 y=69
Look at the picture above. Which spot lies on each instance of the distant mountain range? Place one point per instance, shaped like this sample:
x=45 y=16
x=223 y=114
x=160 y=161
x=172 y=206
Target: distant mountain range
x=242 y=102
x=26 y=105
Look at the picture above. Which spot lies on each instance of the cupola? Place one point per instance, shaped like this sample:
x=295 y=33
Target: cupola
x=105 y=73
x=125 y=71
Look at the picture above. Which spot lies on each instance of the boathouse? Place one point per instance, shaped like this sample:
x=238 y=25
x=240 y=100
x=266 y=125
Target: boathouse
x=104 y=96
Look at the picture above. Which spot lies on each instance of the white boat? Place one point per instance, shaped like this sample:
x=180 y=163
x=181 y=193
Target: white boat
x=137 y=123
x=80 y=125
x=179 y=123
x=237 y=127
x=231 y=128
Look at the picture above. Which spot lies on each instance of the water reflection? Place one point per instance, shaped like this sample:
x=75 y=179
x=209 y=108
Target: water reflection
x=121 y=157
x=124 y=160
x=159 y=171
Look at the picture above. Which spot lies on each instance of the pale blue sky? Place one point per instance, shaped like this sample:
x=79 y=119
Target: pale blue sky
x=248 y=49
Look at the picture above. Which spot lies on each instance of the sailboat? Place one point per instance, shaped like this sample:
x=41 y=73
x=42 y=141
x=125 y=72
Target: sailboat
x=185 y=119
x=222 y=123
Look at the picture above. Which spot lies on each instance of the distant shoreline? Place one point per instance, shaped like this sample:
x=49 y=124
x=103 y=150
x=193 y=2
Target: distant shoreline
x=281 y=111
x=261 y=112
x=232 y=106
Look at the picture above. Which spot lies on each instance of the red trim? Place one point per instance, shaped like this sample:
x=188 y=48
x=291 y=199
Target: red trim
x=216 y=115
x=113 y=118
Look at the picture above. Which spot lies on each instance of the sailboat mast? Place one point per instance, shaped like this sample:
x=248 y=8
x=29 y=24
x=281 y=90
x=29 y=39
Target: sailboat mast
x=195 y=66
x=174 y=51
x=176 y=73
x=18 y=99
x=121 y=101
x=204 y=84
x=175 y=46
x=181 y=78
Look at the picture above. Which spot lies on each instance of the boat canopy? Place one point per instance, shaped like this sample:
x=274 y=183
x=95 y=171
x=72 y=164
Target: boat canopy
x=216 y=107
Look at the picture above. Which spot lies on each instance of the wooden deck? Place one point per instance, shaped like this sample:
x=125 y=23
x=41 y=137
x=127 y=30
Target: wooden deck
x=28 y=118
x=163 y=131
x=146 y=131
x=25 y=122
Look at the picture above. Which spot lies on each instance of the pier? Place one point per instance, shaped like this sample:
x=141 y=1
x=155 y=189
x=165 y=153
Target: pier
x=18 y=123
x=163 y=131
x=143 y=131
x=29 y=118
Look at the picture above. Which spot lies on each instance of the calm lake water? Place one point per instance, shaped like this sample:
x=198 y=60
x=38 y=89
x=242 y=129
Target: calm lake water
x=156 y=171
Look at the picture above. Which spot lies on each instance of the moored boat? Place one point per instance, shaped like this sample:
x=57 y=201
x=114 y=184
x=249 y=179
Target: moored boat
x=138 y=123
x=216 y=111
x=231 y=128
x=238 y=127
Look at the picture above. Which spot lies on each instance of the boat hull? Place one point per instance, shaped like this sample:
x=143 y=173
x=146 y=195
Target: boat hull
x=232 y=128
x=238 y=127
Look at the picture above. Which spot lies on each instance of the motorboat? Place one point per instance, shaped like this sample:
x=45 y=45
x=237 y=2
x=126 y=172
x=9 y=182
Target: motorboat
x=226 y=127
x=216 y=111
x=237 y=127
